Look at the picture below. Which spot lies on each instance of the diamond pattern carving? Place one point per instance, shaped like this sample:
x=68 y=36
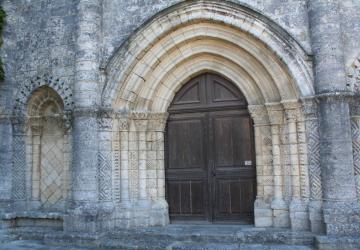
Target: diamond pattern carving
x=355 y=130
x=314 y=159
x=51 y=169
x=19 y=161
x=104 y=176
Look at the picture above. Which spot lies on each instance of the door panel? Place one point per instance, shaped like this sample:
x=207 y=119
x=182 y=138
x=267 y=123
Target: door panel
x=186 y=170
x=187 y=152
x=210 y=168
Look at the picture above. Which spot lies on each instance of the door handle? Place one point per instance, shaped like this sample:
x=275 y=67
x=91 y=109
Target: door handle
x=213 y=173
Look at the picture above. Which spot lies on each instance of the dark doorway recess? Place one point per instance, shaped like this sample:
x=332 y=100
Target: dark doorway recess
x=209 y=153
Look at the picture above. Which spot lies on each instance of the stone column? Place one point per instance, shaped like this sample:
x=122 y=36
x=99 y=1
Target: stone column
x=141 y=127
x=159 y=215
x=124 y=163
x=36 y=130
x=264 y=170
x=279 y=206
x=298 y=208
x=310 y=110
x=83 y=213
x=336 y=159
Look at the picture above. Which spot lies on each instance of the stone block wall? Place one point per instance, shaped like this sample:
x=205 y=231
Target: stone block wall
x=116 y=65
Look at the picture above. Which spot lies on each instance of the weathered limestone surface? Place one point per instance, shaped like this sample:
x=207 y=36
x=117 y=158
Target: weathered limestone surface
x=112 y=68
x=340 y=208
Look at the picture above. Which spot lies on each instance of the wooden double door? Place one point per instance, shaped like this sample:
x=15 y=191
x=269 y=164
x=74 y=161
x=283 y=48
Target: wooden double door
x=209 y=153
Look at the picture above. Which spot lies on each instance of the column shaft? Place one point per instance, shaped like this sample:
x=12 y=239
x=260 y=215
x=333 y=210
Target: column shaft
x=336 y=159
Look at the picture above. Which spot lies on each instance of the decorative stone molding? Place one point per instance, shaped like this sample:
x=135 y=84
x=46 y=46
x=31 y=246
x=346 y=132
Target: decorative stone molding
x=85 y=112
x=336 y=95
x=105 y=180
x=190 y=13
x=19 y=168
x=105 y=119
x=60 y=86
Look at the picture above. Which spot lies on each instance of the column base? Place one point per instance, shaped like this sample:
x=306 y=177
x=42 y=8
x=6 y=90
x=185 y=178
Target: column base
x=155 y=214
x=89 y=218
x=263 y=213
x=316 y=217
x=299 y=215
x=281 y=217
x=159 y=215
x=342 y=219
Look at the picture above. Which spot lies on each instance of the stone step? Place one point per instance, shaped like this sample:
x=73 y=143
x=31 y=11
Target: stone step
x=179 y=237
x=191 y=245
x=234 y=246
x=6 y=236
x=221 y=234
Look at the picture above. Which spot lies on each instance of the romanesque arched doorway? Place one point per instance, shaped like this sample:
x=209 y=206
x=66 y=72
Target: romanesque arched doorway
x=210 y=160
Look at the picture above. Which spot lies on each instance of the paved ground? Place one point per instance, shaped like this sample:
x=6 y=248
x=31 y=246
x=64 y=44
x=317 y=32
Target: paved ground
x=37 y=245
x=173 y=237
x=32 y=244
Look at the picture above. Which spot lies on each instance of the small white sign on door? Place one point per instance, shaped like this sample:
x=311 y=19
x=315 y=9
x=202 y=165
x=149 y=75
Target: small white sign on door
x=248 y=163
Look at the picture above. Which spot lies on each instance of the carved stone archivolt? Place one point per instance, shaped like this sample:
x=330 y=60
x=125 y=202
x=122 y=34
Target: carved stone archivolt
x=60 y=86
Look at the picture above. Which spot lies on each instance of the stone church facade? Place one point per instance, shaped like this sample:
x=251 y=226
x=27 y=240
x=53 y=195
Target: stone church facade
x=84 y=108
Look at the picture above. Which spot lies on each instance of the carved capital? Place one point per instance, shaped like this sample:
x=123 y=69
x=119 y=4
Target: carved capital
x=355 y=107
x=310 y=108
x=105 y=119
x=19 y=124
x=67 y=117
x=141 y=125
x=123 y=124
x=292 y=110
x=157 y=121
x=276 y=113
x=259 y=114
